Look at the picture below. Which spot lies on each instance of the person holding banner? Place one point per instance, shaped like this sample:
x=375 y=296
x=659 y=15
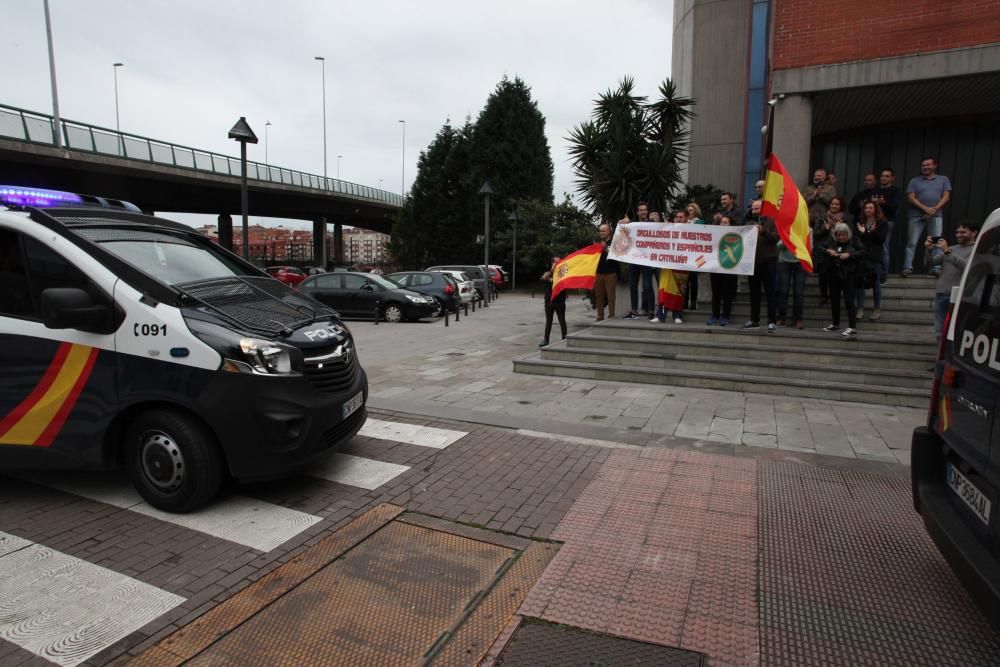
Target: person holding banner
x=764 y=273
x=606 y=278
x=554 y=305
x=638 y=273
x=723 y=288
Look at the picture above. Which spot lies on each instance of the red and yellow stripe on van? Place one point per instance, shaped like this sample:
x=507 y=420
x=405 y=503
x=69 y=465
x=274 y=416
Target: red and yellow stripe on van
x=38 y=419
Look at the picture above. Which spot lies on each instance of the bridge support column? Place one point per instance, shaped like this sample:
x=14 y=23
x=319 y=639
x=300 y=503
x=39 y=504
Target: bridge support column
x=225 y=226
x=338 y=243
x=319 y=241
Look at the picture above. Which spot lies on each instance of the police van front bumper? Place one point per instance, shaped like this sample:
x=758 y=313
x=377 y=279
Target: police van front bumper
x=272 y=426
x=972 y=562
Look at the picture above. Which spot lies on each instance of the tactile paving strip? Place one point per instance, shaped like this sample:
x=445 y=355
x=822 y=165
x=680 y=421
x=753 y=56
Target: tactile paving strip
x=538 y=643
x=386 y=601
x=849 y=577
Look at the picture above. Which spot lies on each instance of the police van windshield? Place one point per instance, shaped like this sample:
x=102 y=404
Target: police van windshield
x=169 y=259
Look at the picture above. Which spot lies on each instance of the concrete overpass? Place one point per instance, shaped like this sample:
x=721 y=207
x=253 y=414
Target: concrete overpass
x=161 y=176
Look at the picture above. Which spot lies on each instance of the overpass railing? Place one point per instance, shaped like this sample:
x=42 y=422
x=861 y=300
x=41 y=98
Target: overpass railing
x=39 y=128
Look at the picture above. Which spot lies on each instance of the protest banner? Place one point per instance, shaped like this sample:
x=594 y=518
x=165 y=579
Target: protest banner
x=686 y=247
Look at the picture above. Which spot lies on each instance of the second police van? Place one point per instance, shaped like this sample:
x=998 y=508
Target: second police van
x=128 y=340
x=955 y=459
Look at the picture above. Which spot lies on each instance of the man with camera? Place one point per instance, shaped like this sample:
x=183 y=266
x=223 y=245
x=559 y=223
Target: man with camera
x=949 y=261
x=927 y=194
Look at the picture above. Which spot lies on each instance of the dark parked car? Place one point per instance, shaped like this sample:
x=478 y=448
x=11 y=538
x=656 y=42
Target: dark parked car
x=475 y=273
x=359 y=294
x=441 y=286
x=290 y=275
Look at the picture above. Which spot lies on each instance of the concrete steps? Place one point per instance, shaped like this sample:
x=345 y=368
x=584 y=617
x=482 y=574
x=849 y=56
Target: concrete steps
x=852 y=353
x=706 y=379
x=887 y=363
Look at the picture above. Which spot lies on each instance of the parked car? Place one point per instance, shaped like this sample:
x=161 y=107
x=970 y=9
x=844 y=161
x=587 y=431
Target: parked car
x=466 y=288
x=501 y=279
x=290 y=275
x=359 y=294
x=441 y=286
x=475 y=273
x=955 y=458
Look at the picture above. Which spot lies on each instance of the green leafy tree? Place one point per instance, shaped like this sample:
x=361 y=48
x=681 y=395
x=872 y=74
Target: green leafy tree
x=510 y=147
x=631 y=150
x=544 y=230
x=435 y=224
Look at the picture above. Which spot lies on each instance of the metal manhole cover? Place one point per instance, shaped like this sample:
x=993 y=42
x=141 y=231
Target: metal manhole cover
x=537 y=643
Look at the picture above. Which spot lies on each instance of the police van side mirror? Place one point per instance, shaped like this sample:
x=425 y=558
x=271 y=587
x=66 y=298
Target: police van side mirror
x=73 y=308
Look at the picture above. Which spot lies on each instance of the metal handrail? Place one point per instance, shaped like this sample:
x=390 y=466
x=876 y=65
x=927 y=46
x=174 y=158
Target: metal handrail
x=38 y=128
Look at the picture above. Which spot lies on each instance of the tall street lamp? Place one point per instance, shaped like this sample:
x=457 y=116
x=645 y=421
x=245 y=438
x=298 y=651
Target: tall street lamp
x=118 y=122
x=338 y=166
x=513 y=265
x=323 y=61
x=486 y=191
x=402 y=178
x=57 y=130
x=267 y=162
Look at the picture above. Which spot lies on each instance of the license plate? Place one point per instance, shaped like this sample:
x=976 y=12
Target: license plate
x=970 y=495
x=352 y=405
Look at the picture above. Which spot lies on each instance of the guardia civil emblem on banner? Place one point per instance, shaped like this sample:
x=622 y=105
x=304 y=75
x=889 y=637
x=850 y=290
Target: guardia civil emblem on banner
x=730 y=250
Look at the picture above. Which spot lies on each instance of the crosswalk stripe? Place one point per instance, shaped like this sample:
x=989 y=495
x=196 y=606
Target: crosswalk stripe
x=424 y=436
x=65 y=609
x=252 y=523
x=358 y=471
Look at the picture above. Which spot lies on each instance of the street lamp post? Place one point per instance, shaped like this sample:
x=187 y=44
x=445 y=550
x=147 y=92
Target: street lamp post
x=402 y=178
x=242 y=133
x=323 y=61
x=57 y=130
x=513 y=265
x=267 y=162
x=486 y=191
x=338 y=166
x=118 y=122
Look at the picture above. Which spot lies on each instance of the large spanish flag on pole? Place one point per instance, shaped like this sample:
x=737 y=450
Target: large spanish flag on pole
x=784 y=203
x=577 y=270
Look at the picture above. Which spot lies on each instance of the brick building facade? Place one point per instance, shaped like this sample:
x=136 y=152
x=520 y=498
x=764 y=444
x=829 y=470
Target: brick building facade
x=852 y=86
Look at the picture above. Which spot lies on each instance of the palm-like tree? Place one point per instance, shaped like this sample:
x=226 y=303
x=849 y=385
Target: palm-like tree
x=631 y=149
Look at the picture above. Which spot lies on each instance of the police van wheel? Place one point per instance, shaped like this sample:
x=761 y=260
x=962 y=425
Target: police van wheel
x=393 y=313
x=174 y=464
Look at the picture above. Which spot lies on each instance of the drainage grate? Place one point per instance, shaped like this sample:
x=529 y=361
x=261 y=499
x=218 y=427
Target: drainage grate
x=537 y=643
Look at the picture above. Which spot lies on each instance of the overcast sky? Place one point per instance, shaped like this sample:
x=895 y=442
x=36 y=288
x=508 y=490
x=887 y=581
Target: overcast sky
x=192 y=68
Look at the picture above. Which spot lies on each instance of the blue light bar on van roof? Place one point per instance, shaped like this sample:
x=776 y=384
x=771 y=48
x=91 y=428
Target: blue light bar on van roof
x=40 y=197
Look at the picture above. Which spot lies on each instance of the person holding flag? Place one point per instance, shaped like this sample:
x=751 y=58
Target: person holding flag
x=784 y=204
x=553 y=305
x=589 y=268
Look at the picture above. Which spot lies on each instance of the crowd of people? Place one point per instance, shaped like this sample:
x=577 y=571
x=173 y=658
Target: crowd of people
x=851 y=253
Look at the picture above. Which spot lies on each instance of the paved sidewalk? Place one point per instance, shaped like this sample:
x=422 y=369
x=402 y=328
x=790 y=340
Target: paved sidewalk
x=466 y=369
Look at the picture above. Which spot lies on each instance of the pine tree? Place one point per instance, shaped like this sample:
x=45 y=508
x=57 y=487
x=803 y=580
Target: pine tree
x=510 y=147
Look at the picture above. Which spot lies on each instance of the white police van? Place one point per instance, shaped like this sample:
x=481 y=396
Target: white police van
x=955 y=459
x=129 y=340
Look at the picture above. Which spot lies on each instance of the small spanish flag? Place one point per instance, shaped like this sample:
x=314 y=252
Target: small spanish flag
x=673 y=285
x=577 y=270
x=784 y=203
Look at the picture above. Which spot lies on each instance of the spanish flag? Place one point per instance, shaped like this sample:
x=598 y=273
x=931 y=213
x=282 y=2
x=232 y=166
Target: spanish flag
x=673 y=286
x=784 y=203
x=577 y=270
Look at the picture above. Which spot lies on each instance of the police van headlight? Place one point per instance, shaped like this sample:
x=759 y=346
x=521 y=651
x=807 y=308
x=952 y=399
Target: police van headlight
x=267 y=357
x=241 y=354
